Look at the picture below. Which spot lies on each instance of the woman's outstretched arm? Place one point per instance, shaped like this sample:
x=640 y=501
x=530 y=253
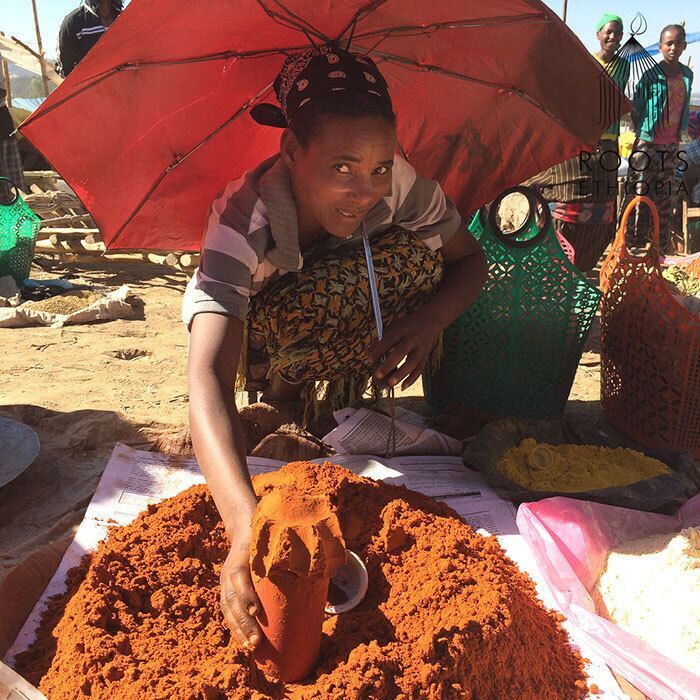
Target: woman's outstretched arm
x=217 y=437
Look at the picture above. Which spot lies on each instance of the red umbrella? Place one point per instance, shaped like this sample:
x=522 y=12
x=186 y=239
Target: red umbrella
x=153 y=123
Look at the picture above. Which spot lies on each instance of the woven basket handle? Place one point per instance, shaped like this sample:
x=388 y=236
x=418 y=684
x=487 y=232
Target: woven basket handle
x=620 y=238
x=511 y=240
x=16 y=192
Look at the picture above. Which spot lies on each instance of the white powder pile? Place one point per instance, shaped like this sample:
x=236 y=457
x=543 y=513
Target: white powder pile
x=651 y=588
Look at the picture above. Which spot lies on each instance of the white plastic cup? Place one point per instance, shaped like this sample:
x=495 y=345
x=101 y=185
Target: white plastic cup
x=351 y=578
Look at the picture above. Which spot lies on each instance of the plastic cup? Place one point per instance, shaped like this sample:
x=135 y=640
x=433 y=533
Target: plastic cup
x=352 y=581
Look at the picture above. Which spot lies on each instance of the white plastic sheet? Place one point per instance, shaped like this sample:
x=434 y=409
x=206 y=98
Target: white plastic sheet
x=570 y=541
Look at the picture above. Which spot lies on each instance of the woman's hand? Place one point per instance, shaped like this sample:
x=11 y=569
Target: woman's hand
x=414 y=335
x=239 y=603
x=411 y=337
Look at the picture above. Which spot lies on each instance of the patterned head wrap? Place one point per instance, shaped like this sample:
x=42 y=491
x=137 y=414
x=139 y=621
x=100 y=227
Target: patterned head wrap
x=608 y=17
x=316 y=74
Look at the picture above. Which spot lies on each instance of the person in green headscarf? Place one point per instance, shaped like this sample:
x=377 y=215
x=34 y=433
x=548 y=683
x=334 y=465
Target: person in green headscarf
x=584 y=189
x=607 y=18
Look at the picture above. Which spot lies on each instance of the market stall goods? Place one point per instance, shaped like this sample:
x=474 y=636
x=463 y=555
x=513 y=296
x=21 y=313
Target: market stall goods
x=650 y=349
x=268 y=431
x=651 y=588
x=576 y=468
x=581 y=474
x=687 y=283
x=446 y=615
x=65 y=303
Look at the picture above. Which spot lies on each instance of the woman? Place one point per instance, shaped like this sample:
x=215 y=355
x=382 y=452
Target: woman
x=282 y=267
x=584 y=188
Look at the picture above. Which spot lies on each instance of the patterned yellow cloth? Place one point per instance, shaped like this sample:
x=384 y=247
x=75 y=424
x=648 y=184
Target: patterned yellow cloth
x=317 y=324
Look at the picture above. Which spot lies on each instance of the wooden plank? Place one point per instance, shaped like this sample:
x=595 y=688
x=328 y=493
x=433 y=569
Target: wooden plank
x=42 y=61
x=66 y=246
x=41 y=202
x=70 y=231
x=6 y=80
x=69 y=221
x=81 y=251
x=36 y=175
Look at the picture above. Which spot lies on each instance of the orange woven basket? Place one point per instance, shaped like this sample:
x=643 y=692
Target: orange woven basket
x=650 y=357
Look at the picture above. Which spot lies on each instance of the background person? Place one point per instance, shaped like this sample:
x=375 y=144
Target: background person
x=584 y=188
x=82 y=29
x=661 y=111
x=10 y=159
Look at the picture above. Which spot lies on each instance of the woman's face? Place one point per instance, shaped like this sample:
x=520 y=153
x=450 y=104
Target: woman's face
x=341 y=174
x=610 y=37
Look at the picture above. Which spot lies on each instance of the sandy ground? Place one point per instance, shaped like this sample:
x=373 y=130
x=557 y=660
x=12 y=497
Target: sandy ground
x=81 y=388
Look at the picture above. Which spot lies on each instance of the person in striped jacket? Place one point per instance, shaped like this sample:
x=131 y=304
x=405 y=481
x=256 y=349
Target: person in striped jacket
x=82 y=29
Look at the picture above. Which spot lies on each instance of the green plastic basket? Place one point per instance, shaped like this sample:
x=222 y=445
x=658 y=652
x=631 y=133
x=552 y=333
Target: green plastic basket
x=516 y=349
x=19 y=226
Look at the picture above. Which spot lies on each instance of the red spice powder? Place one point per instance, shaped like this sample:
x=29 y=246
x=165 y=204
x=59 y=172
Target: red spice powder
x=447 y=614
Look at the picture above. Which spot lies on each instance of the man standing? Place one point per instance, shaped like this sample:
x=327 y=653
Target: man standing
x=82 y=29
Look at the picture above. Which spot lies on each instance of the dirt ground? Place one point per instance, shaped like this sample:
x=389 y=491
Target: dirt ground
x=82 y=388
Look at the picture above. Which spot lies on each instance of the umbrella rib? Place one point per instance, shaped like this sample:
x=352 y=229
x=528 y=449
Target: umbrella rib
x=292 y=20
x=360 y=14
x=456 y=24
x=510 y=89
x=241 y=110
x=219 y=56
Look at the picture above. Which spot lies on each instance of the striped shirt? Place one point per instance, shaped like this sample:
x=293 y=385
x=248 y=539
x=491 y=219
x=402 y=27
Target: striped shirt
x=251 y=235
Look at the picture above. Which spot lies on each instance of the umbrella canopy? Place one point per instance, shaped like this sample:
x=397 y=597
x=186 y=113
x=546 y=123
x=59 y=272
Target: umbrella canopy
x=154 y=122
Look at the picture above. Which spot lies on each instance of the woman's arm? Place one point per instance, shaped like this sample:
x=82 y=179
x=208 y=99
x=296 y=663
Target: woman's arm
x=413 y=336
x=217 y=437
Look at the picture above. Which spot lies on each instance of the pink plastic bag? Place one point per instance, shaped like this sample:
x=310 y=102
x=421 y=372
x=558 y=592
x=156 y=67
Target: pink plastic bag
x=570 y=541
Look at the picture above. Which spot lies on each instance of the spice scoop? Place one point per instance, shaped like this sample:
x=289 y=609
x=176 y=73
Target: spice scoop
x=348 y=585
x=541 y=457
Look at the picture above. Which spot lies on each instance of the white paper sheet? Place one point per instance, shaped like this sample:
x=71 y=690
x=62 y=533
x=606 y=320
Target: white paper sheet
x=361 y=431
x=133 y=479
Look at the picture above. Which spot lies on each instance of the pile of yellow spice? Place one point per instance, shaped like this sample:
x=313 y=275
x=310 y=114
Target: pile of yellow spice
x=65 y=303
x=576 y=468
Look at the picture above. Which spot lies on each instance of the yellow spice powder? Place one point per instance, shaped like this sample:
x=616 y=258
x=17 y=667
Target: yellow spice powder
x=65 y=303
x=574 y=468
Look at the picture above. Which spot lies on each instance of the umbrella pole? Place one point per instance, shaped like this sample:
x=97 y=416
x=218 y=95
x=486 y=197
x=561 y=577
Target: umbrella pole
x=563 y=11
x=44 y=77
